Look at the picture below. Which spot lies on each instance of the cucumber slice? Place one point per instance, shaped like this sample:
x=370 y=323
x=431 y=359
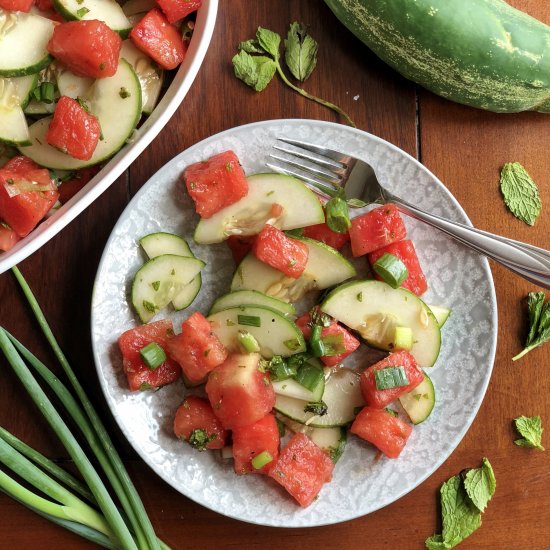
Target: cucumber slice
x=150 y=75
x=291 y=388
x=72 y=85
x=252 y=298
x=276 y=334
x=419 y=403
x=107 y=11
x=301 y=208
x=330 y=440
x=14 y=94
x=157 y=244
x=117 y=116
x=39 y=108
x=342 y=396
x=23 y=40
x=441 y=314
x=374 y=309
x=325 y=267
x=159 y=280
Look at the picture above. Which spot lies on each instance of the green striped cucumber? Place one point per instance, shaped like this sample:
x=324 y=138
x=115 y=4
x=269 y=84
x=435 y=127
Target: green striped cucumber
x=481 y=53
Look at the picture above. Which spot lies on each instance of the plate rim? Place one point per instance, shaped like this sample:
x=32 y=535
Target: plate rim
x=484 y=265
x=183 y=79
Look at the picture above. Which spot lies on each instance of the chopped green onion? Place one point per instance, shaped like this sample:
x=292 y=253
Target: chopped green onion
x=260 y=460
x=47 y=90
x=99 y=439
x=81 y=12
x=333 y=344
x=297 y=360
x=249 y=320
x=248 y=342
x=153 y=355
x=317 y=345
x=293 y=344
x=390 y=377
x=392 y=270
x=337 y=213
x=281 y=369
x=309 y=376
x=403 y=338
x=318 y=408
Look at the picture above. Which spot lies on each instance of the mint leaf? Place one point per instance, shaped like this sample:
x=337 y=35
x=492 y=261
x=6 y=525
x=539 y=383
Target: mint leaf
x=521 y=194
x=254 y=70
x=462 y=500
x=480 y=484
x=530 y=427
x=269 y=41
x=460 y=517
x=300 y=51
x=539 y=323
x=251 y=46
x=436 y=542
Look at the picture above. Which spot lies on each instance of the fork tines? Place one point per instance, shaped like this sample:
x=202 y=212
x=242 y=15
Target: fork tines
x=320 y=167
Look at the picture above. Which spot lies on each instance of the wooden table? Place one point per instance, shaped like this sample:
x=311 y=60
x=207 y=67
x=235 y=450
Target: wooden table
x=464 y=147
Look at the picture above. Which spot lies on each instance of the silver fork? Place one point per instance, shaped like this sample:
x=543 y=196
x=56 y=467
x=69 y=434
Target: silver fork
x=327 y=169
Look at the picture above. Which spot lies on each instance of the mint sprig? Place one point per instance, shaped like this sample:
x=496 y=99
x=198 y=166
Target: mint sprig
x=521 y=194
x=463 y=498
x=530 y=428
x=539 y=323
x=259 y=59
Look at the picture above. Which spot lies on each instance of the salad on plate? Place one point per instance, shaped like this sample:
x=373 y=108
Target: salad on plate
x=276 y=371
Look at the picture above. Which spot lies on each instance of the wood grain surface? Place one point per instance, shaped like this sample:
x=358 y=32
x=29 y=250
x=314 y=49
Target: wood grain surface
x=464 y=147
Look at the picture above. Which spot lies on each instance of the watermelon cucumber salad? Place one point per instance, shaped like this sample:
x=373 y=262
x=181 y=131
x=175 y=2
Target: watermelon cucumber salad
x=270 y=381
x=76 y=76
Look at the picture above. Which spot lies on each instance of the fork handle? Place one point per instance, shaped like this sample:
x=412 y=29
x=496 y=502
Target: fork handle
x=528 y=261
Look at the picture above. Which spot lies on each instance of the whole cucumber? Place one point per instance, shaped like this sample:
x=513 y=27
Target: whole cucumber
x=481 y=53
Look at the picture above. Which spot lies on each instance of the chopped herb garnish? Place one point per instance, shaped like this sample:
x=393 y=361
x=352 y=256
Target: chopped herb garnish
x=229 y=167
x=360 y=297
x=148 y=306
x=337 y=214
x=391 y=411
x=80 y=13
x=249 y=320
x=155 y=285
x=229 y=323
x=102 y=66
x=318 y=408
x=124 y=93
x=199 y=439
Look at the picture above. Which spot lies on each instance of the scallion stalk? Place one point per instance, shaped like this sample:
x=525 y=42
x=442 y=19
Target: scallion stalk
x=136 y=512
x=392 y=270
x=316 y=343
x=103 y=499
x=46 y=464
x=337 y=214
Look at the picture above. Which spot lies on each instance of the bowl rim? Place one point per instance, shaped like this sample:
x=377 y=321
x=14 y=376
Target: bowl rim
x=176 y=92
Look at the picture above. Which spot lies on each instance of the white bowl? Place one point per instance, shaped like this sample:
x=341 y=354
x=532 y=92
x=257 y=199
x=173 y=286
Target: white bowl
x=206 y=18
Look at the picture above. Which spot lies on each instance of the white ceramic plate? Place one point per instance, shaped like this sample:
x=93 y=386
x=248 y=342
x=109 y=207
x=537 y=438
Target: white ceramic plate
x=457 y=277
x=206 y=18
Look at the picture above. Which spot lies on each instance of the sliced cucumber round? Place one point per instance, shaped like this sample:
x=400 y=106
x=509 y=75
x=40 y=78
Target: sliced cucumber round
x=301 y=208
x=150 y=75
x=419 y=403
x=23 y=41
x=73 y=85
x=325 y=267
x=252 y=298
x=14 y=95
x=157 y=244
x=118 y=115
x=107 y=11
x=159 y=280
x=441 y=314
x=291 y=388
x=342 y=396
x=374 y=309
x=275 y=334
